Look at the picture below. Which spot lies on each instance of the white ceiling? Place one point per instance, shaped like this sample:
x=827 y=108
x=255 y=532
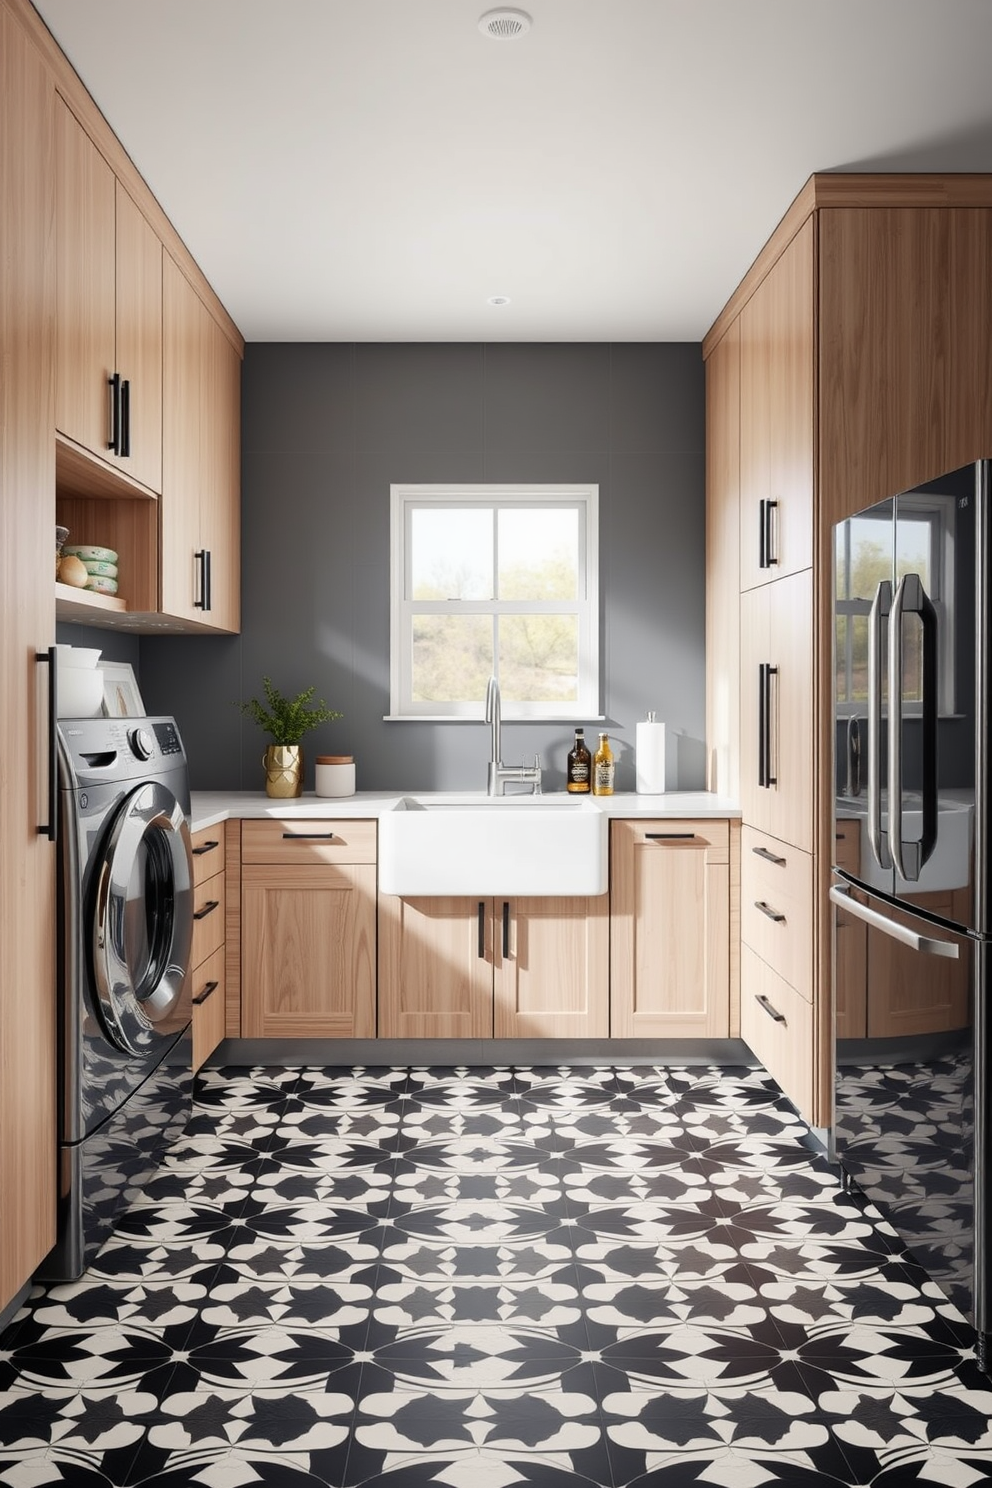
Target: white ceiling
x=375 y=169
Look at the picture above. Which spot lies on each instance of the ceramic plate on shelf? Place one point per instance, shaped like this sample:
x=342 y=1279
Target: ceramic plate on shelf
x=89 y=553
x=97 y=585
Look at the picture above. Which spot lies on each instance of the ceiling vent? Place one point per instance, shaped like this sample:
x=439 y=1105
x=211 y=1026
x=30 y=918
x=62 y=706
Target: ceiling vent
x=505 y=25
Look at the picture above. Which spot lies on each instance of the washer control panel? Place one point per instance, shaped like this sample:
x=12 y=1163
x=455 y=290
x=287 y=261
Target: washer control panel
x=168 y=737
x=142 y=744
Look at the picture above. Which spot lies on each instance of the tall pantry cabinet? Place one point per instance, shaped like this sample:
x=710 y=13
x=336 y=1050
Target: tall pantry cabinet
x=852 y=362
x=27 y=515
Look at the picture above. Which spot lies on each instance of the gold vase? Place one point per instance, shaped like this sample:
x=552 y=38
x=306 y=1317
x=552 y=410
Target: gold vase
x=283 y=770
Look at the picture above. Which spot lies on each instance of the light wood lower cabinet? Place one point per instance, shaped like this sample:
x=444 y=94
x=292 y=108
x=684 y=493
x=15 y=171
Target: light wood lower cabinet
x=208 y=953
x=308 y=929
x=777 y=1024
x=670 y=938
x=484 y=968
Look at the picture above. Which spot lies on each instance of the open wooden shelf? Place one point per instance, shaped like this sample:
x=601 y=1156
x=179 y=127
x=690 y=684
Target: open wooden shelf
x=83 y=606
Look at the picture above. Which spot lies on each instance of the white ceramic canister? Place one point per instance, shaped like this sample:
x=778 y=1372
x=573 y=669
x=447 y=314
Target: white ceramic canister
x=335 y=775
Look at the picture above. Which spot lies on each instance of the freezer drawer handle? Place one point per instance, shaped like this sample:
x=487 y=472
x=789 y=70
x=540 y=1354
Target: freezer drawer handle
x=772 y=914
x=201 y=997
x=924 y=943
x=769 y=1008
x=769 y=857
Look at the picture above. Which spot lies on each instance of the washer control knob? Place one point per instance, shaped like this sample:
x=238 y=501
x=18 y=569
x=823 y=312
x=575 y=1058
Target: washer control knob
x=142 y=743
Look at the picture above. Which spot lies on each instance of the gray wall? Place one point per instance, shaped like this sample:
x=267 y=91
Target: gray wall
x=327 y=428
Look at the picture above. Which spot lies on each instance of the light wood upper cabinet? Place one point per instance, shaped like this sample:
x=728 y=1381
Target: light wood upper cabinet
x=109 y=310
x=777 y=707
x=28 y=1099
x=723 y=499
x=776 y=419
x=483 y=968
x=200 y=554
x=670 y=929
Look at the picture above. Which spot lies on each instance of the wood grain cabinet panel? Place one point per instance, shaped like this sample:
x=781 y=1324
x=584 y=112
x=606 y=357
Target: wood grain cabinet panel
x=28 y=1100
x=777 y=1024
x=551 y=966
x=777 y=907
x=723 y=620
x=670 y=929
x=435 y=968
x=776 y=419
x=208 y=994
x=291 y=840
x=308 y=943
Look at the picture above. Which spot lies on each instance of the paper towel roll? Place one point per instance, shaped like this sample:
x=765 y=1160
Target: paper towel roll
x=651 y=763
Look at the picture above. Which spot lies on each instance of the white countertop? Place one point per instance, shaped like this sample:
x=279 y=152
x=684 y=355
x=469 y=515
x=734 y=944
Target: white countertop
x=210 y=807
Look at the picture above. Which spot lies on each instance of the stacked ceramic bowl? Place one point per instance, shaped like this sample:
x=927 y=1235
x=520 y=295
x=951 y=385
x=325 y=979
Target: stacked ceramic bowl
x=100 y=565
x=80 y=682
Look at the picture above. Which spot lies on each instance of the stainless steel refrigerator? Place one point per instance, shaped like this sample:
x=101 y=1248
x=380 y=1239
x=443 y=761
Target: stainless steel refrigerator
x=910 y=887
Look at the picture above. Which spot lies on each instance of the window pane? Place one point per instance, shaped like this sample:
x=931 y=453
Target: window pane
x=452 y=657
x=913 y=547
x=452 y=553
x=871 y=555
x=539 y=658
x=538 y=553
x=840 y=561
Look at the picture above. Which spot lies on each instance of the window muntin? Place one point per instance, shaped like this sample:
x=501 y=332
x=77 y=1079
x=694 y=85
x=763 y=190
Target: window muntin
x=494 y=579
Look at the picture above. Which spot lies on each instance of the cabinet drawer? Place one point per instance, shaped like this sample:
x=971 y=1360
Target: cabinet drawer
x=207 y=991
x=208 y=852
x=777 y=907
x=777 y=1024
x=209 y=917
x=314 y=842
x=682 y=835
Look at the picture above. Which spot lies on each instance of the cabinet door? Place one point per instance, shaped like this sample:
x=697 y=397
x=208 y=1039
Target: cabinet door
x=670 y=929
x=207 y=990
x=184 y=330
x=139 y=340
x=723 y=621
x=777 y=418
x=308 y=951
x=777 y=709
x=435 y=968
x=86 y=298
x=777 y=1024
x=552 y=967
x=220 y=502
x=28 y=1100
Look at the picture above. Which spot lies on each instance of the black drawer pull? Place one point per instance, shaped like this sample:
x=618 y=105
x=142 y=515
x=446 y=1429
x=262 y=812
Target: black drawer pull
x=482 y=929
x=769 y=857
x=204 y=847
x=506 y=929
x=772 y=914
x=772 y=1012
x=201 y=997
x=208 y=908
x=308 y=836
x=670 y=836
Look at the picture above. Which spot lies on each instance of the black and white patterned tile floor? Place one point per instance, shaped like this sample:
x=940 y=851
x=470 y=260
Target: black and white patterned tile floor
x=479 y=1278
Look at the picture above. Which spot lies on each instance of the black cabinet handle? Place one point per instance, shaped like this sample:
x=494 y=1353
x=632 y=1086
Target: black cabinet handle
x=204 y=847
x=482 y=929
x=201 y=997
x=772 y=914
x=762 y=534
x=772 y=1012
x=200 y=557
x=114 y=383
x=506 y=929
x=669 y=836
x=208 y=594
x=765 y=674
x=49 y=658
x=771 y=557
x=308 y=836
x=125 y=449
x=769 y=857
x=208 y=908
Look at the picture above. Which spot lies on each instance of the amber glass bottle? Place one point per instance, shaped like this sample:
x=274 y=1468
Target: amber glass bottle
x=579 y=766
x=603 y=768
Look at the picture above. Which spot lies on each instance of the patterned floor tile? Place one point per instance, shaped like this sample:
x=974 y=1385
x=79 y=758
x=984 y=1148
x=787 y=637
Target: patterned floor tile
x=588 y=1277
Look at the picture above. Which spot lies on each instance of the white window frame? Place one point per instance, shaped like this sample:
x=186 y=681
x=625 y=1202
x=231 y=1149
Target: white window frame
x=404 y=499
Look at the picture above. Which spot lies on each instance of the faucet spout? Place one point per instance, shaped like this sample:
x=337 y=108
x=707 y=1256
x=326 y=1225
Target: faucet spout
x=493 y=718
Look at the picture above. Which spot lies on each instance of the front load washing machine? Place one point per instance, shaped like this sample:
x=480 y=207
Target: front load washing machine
x=125 y=929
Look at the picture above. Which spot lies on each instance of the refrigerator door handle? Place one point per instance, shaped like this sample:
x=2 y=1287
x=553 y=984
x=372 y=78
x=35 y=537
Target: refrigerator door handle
x=880 y=607
x=928 y=945
x=911 y=598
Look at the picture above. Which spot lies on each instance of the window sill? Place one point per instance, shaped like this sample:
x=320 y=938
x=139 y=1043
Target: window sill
x=569 y=718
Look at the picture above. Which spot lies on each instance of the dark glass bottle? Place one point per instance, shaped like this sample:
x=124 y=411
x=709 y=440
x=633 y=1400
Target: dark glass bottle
x=579 y=765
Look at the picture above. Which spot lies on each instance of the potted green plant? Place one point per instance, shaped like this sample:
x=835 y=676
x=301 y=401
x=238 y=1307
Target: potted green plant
x=286 y=720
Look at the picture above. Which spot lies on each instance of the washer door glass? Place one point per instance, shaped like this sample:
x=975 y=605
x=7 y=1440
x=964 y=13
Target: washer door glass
x=143 y=924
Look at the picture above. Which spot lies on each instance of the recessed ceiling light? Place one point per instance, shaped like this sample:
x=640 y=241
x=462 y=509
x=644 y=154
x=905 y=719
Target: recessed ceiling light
x=504 y=24
x=498 y=300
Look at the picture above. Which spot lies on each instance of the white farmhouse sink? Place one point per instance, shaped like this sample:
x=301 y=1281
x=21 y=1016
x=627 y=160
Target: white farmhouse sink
x=950 y=864
x=482 y=845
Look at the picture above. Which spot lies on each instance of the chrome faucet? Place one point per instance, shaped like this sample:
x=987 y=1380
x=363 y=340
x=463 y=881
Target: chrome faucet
x=499 y=773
